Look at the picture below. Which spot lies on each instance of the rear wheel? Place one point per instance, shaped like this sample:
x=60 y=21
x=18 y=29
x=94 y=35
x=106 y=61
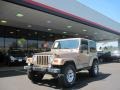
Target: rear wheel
x=94 y=70
x=68 y=76
x=35 y=76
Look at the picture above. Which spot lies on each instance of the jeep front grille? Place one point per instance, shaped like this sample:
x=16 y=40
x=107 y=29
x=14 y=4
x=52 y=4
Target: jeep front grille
x=42 y=60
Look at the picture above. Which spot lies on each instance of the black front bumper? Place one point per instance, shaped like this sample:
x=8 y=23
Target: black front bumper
x=43 y=69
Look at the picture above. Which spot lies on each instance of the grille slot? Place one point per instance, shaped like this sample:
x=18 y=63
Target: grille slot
x=42 y=60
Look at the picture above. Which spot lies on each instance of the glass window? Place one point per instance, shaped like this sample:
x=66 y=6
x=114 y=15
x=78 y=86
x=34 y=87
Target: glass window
x=66 y=44
x=92 y=46
x=1 y=43
x=84 y=45
x=50 y=44
x=40 y=44
x=10 y=43
x=32 y=44
x=16 y=53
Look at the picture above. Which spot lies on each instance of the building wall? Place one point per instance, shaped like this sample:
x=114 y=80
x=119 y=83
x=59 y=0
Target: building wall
x=24 y=39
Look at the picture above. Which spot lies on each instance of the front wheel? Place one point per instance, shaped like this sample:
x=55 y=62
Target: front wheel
x=94 y=70
x=69 y=76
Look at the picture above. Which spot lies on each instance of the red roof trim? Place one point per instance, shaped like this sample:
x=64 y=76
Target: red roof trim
x=68 y=14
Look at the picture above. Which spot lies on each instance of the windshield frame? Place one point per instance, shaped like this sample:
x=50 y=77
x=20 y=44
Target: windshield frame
x=66 y=40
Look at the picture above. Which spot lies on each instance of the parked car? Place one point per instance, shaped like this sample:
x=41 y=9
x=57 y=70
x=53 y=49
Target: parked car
x=104 y=56
x=1 y=57
x=15 y=56
x=66 y=57
x=30 y=53
x=115 y=55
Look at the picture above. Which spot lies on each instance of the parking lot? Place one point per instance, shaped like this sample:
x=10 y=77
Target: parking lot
x=15 y=78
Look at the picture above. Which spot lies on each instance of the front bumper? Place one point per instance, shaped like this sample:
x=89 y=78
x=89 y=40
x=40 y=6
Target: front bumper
x=17 y=61
x=43 y=69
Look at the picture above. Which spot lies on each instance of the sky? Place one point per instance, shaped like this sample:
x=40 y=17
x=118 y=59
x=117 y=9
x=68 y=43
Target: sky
x=109 y=8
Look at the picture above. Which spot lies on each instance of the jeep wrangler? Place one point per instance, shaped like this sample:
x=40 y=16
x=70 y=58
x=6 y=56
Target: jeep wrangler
x=67 y=56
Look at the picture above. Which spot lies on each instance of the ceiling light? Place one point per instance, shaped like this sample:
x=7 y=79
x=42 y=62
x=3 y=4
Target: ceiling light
x=29 y=26
x=3 y=21
x=49 y=29
x=43 y=36
x=29 y=34
x=76 y=34
x=18 y=30
x=35 y=32
x=69 y=26
x=63 y=36
x=86 y=36
x=51 y=35
x=84 y=30
x=19 y=15
x=95 y=33
x=48 y=21
x=64 y=32
x=11 y=32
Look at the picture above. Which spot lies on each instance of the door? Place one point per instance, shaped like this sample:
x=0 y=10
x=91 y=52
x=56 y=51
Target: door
x=84 y=53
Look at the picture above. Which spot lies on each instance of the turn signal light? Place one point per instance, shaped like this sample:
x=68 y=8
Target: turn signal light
x=29 y=60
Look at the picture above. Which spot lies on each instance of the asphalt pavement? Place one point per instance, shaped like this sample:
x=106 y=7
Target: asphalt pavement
x=15 y=78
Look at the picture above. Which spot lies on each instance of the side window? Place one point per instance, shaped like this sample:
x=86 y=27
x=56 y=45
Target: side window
x=92 y=46
x=84 y=45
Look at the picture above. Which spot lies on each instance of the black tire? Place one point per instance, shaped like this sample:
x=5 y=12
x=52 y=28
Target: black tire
x=35 y=76
x=68 y=76
x=7 y=62
x=94 y=70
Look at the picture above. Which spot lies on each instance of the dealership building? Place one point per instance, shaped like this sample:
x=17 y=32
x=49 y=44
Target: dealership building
x=27 y=24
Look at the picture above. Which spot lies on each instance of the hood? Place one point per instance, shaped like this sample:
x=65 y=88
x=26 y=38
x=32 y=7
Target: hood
x=62 y=53
x=44 y=53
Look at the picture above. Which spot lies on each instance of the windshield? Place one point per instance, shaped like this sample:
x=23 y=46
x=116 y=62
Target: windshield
x=66 y=44
x=17 y=53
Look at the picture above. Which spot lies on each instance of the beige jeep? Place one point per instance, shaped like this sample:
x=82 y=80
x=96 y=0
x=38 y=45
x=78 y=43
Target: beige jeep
x=67 y=56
